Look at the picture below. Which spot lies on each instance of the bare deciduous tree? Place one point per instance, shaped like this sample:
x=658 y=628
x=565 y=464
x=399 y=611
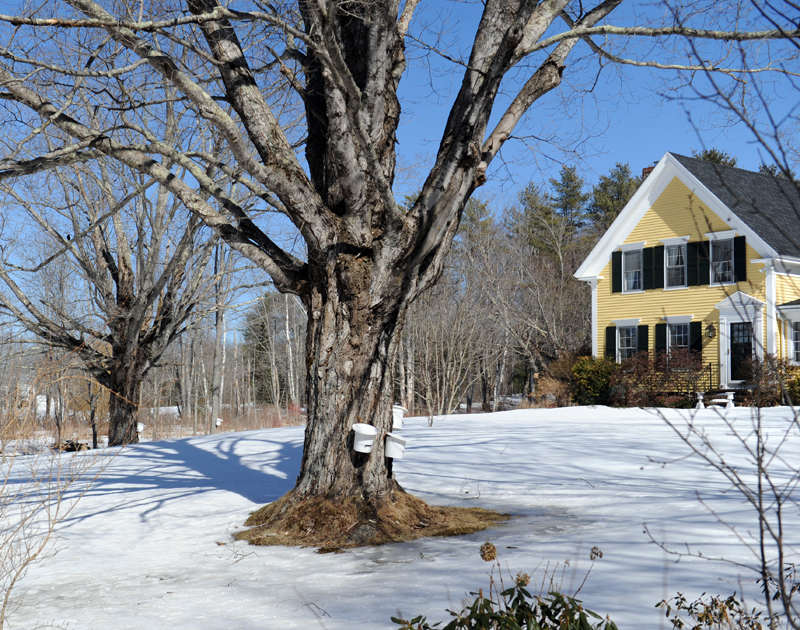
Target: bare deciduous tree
x=133 y=267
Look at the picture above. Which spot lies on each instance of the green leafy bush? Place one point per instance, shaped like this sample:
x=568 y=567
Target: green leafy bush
x=592 y=380
x=516 y=609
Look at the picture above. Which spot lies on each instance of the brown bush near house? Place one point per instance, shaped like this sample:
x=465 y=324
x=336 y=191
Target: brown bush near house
x=770 y=382
x=663 y=380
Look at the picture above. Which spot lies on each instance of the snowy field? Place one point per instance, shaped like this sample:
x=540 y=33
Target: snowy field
x=150 y=545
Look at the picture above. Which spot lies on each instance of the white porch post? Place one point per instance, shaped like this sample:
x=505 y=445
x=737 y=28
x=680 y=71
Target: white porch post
x=772 y=320
x=723 y=352
x=595 y=333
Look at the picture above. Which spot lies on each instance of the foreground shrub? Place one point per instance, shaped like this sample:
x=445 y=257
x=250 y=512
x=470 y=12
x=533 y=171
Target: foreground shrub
x=712 y=613
x=515 y=608
x=592 y=380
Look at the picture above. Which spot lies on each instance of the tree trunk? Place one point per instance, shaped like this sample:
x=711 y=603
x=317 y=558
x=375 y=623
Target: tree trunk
x=409 y=404
x=352 y=353
x=93 y=396
x=123 y=406
x=290 y=378
x=217 y=367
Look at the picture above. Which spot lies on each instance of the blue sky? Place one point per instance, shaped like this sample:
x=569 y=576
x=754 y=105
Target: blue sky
x=624 y=119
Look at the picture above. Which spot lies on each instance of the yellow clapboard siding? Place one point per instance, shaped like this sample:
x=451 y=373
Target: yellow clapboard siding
x=677 y=212
x=787 y=289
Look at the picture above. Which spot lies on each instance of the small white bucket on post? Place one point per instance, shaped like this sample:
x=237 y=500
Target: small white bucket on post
x=364 y=438
x=395 y=446
x=398 y=413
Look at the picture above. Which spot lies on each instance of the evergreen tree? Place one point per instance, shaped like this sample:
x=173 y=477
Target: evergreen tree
x=610 y=195
x=715 y=156
x=569 y=197
x=774 y=170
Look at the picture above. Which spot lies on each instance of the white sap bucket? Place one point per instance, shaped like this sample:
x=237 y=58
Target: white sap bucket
x=398 y=413
x=365 y=436
x=395 y=446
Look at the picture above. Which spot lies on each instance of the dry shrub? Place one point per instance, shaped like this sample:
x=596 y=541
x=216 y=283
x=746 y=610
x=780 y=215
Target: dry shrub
x=770 y=382
x=552 y=392
x=663 y=380
x=161 y=424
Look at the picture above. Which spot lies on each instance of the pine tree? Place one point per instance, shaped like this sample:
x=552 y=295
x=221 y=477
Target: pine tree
x=610 y=195
x=715 y=156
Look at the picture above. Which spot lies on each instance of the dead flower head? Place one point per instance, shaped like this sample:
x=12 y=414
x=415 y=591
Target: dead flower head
x=595 y=553
x=488 y=551
x=522 y=579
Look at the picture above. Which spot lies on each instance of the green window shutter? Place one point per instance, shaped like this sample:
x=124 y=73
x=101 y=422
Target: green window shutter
x=647 y=268
x=616 y=272
x=739 y=259
x=658 y=267
x=642 y=338
x=691 y=264
x=696 y=336
x=661 y=338
x=703 y=270
x=611 y=342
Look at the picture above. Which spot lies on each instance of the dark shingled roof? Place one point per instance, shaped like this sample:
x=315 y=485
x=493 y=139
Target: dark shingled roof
x=792 y=303
x=768 y=205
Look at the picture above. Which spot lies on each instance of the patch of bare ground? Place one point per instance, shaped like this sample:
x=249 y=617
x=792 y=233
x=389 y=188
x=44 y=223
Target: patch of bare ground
x=335 y=525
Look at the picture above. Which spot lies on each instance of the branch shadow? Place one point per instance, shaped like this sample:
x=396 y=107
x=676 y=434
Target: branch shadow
x=150 y=476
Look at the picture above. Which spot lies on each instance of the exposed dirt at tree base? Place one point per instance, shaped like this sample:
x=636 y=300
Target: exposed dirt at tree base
x=331 y=526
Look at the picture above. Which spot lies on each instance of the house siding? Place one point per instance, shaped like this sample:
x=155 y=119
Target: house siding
x=676 y=213
x=787 y=289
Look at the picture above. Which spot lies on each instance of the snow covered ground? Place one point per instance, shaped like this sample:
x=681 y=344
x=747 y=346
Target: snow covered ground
x=150 y=546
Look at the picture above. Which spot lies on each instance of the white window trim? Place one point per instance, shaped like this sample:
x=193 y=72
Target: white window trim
x=619 y=323
x=629 y=247
x=791 y=342
x=678 y=319
x=720 y=236
x=685 y=262
x=678 y=240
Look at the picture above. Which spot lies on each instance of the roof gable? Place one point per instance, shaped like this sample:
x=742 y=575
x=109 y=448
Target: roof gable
x=769 y=205
x=668 y=168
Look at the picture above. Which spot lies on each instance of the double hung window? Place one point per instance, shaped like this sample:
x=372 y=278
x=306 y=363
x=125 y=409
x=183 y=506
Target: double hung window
x=676 y=266
x=722 y=261
x=632 y=270
x=678 y=337
x=796 y=341
x=627 y=342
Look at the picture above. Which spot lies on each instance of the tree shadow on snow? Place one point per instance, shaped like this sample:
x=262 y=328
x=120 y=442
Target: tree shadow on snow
x=149 y=476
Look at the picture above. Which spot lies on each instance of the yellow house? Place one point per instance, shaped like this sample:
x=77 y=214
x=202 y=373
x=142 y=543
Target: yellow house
x=703 y=257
